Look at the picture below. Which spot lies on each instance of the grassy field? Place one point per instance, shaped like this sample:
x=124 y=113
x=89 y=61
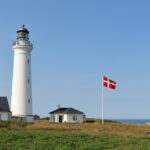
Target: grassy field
x=87 y=136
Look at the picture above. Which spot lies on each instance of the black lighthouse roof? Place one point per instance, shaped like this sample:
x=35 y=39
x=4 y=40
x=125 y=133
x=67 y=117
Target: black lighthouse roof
x=23 y=29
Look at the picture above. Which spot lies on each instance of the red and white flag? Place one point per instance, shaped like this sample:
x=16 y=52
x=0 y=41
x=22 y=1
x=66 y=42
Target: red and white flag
x=109 y=83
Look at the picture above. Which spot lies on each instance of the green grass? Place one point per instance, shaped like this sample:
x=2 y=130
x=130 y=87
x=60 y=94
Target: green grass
x=66 y=137
x=41 y=139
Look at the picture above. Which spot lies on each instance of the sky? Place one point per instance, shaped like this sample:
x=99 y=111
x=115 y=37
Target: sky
x=76 y=42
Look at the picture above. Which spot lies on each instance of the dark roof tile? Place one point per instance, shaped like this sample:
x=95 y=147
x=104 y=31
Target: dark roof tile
x=66 y=111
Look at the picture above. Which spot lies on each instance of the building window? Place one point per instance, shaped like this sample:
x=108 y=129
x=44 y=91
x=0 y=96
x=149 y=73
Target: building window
x=74 y=117
x=28 y=100
x=28 y=80
x=28 y=61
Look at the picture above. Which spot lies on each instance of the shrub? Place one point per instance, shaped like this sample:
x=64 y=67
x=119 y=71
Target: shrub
x=90 y=121
x=36 y=117
x=13 y=124
x=44 y=118
x=4 y=124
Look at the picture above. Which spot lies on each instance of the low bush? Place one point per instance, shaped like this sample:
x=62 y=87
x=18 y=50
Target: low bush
x=89 y=121
x=13 y=124
x=4 y=124
x=44 y=118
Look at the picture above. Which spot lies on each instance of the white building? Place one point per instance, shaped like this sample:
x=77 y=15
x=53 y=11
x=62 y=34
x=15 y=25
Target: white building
x=66 y=115
x=21 y=102
x=5 y=113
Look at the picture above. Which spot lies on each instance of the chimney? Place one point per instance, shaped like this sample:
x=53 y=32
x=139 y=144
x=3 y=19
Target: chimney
x=58 y=106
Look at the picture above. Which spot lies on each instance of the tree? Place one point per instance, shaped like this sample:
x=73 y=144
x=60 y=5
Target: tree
x=36 y=117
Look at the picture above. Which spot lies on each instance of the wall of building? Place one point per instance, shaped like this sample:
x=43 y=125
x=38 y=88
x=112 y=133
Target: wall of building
x=29 y=119
x=65 y=118
x=5 y=116
x=74 y=118
x=55 y=118
x=68 y=118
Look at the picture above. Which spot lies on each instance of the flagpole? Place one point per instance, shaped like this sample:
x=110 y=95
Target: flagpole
x=102 y=103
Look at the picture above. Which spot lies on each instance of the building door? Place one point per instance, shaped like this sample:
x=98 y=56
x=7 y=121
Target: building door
x=60 y=118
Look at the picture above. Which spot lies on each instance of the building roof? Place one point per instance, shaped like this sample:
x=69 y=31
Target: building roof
x=66 y=111
x=4 y=107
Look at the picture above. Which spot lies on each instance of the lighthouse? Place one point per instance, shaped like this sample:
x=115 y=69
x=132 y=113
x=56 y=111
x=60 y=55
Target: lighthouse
x=21 y=100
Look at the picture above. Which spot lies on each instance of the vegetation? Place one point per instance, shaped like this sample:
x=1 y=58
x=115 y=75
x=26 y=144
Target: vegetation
x=44 y=118
x=36 y=117
x=13 y=124
x=91 y=120
x=42 y=135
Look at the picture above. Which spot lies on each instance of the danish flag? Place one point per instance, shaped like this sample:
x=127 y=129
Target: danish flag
x=109 y=83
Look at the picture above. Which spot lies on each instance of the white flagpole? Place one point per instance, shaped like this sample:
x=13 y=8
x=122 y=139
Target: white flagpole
x=102 y=103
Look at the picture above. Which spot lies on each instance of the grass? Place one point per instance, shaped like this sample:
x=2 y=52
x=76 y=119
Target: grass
x=13 y=124
x=87 y=136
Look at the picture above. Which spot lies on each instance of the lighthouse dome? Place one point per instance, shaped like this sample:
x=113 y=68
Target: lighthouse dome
x=22 y=29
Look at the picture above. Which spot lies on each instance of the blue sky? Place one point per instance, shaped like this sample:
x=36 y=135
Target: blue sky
x=75 y=43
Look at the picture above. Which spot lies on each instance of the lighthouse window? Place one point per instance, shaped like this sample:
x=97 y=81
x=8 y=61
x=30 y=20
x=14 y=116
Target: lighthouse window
x=28 y=61
x=28 y=80
x=28 y=100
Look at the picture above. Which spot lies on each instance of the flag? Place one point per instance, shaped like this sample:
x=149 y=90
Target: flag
x=109 y=83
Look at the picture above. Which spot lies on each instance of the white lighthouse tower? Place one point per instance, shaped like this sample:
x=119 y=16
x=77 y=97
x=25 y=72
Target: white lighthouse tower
x=21 y=102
